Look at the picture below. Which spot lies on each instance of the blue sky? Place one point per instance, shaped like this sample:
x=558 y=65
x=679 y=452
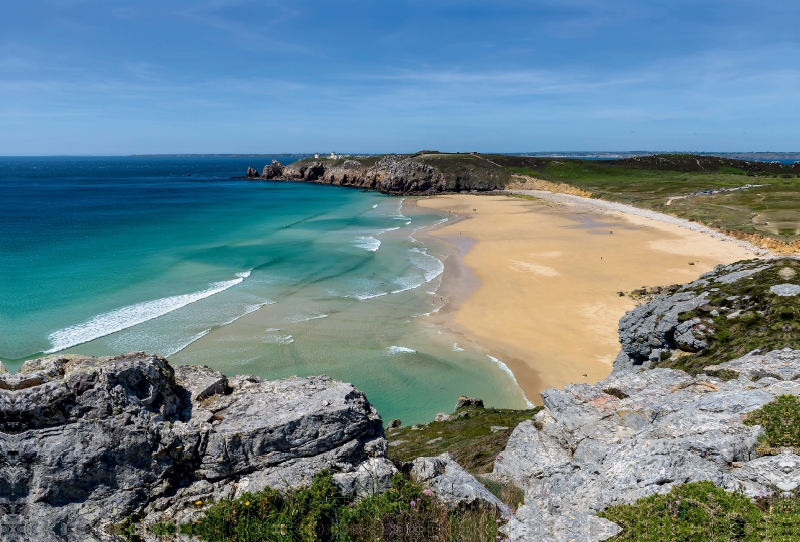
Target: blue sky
x=225 y=76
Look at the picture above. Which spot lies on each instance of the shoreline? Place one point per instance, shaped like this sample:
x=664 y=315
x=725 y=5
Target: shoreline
x=551 y=316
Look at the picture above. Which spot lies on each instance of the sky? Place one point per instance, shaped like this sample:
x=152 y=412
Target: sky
x=116 y=77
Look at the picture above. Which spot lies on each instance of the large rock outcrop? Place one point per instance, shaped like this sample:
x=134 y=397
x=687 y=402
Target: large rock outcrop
x=637 y=433
x=391 y=175
x=86 y=442
x=654 y=331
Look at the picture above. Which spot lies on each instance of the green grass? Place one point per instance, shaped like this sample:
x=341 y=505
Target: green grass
x=319 y=513
x=467 y=438
x=765 y=321
x=781 y=422
x=772 y=210
x=702 y=512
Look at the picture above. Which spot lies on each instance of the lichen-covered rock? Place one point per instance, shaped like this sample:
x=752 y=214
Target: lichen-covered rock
x=451 y=484
x=465 y=401
x=86 y=442
x=655 y=329
x=639 y=433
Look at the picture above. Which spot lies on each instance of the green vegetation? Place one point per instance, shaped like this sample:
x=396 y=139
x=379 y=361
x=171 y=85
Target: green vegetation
x=771 y=209
x=781 y=422
x=749 y=318
x=404 y=513
x=702 y=512
x=468 y=438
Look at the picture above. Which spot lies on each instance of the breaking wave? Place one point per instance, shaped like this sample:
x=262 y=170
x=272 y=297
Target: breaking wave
x=399 y=350
x=125 y=317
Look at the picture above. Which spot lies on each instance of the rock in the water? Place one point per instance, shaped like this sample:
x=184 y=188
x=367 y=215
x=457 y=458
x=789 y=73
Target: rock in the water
x=451 y=484
x=251 y=173
x=273 y=170
x=86 y=442
x=464 y=401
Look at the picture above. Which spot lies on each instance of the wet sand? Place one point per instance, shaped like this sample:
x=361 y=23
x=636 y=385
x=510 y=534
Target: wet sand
x=536 y=283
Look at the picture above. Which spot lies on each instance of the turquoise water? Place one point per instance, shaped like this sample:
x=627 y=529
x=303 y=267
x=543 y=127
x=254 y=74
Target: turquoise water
x=109 y=255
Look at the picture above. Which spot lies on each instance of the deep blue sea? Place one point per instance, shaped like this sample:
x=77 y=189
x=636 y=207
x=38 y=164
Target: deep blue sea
x=171 y=255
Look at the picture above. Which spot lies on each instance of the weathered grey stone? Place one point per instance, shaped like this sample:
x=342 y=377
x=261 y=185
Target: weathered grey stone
x=394 y=424
x=451 y=484
x=529 y=524
x=785 y=290
x=86 y=442
x=653 y=329
x=468 y=401
x=588 y=449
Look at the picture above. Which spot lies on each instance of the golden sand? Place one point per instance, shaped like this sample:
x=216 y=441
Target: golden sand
x=546 y=298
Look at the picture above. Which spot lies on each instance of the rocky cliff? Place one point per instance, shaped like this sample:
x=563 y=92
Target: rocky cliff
x=87 y=442
x=419 y=173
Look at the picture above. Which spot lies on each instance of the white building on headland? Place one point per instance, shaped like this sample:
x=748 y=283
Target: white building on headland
x=316 y=155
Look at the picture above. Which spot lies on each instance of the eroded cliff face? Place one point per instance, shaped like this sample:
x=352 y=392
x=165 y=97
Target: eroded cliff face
x=391 y=174
x=87 y=442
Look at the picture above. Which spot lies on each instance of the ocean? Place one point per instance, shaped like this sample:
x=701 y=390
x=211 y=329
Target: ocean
x=170 y=255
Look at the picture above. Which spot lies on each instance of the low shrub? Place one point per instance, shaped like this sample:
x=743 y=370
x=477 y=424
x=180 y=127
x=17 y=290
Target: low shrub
x=319 y=513
x=702 y=512
x=781 y=422
x=694 y=512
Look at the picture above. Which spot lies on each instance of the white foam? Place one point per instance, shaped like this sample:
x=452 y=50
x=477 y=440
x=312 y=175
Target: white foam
x=456 y=348
x=125 y=317
x=244 y=274
x=399 y=213
x=374 y=206
x=362 y=297
x=187 y=343
x=279 y=340
x=433 y=267
x=367 y=243
x=302 y=318
x=399 y=350
x=248 y=310
x=505 y=368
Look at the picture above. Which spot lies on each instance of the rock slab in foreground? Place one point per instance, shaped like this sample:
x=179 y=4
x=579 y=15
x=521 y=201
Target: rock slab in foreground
x=451 y=484
x=86 y=442
x=639 y=433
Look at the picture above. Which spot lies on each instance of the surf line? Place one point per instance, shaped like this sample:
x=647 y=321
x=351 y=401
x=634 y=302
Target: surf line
x=125 y=317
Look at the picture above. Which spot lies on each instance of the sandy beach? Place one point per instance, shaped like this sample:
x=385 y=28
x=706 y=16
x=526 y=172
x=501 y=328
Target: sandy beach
x=536 y=283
